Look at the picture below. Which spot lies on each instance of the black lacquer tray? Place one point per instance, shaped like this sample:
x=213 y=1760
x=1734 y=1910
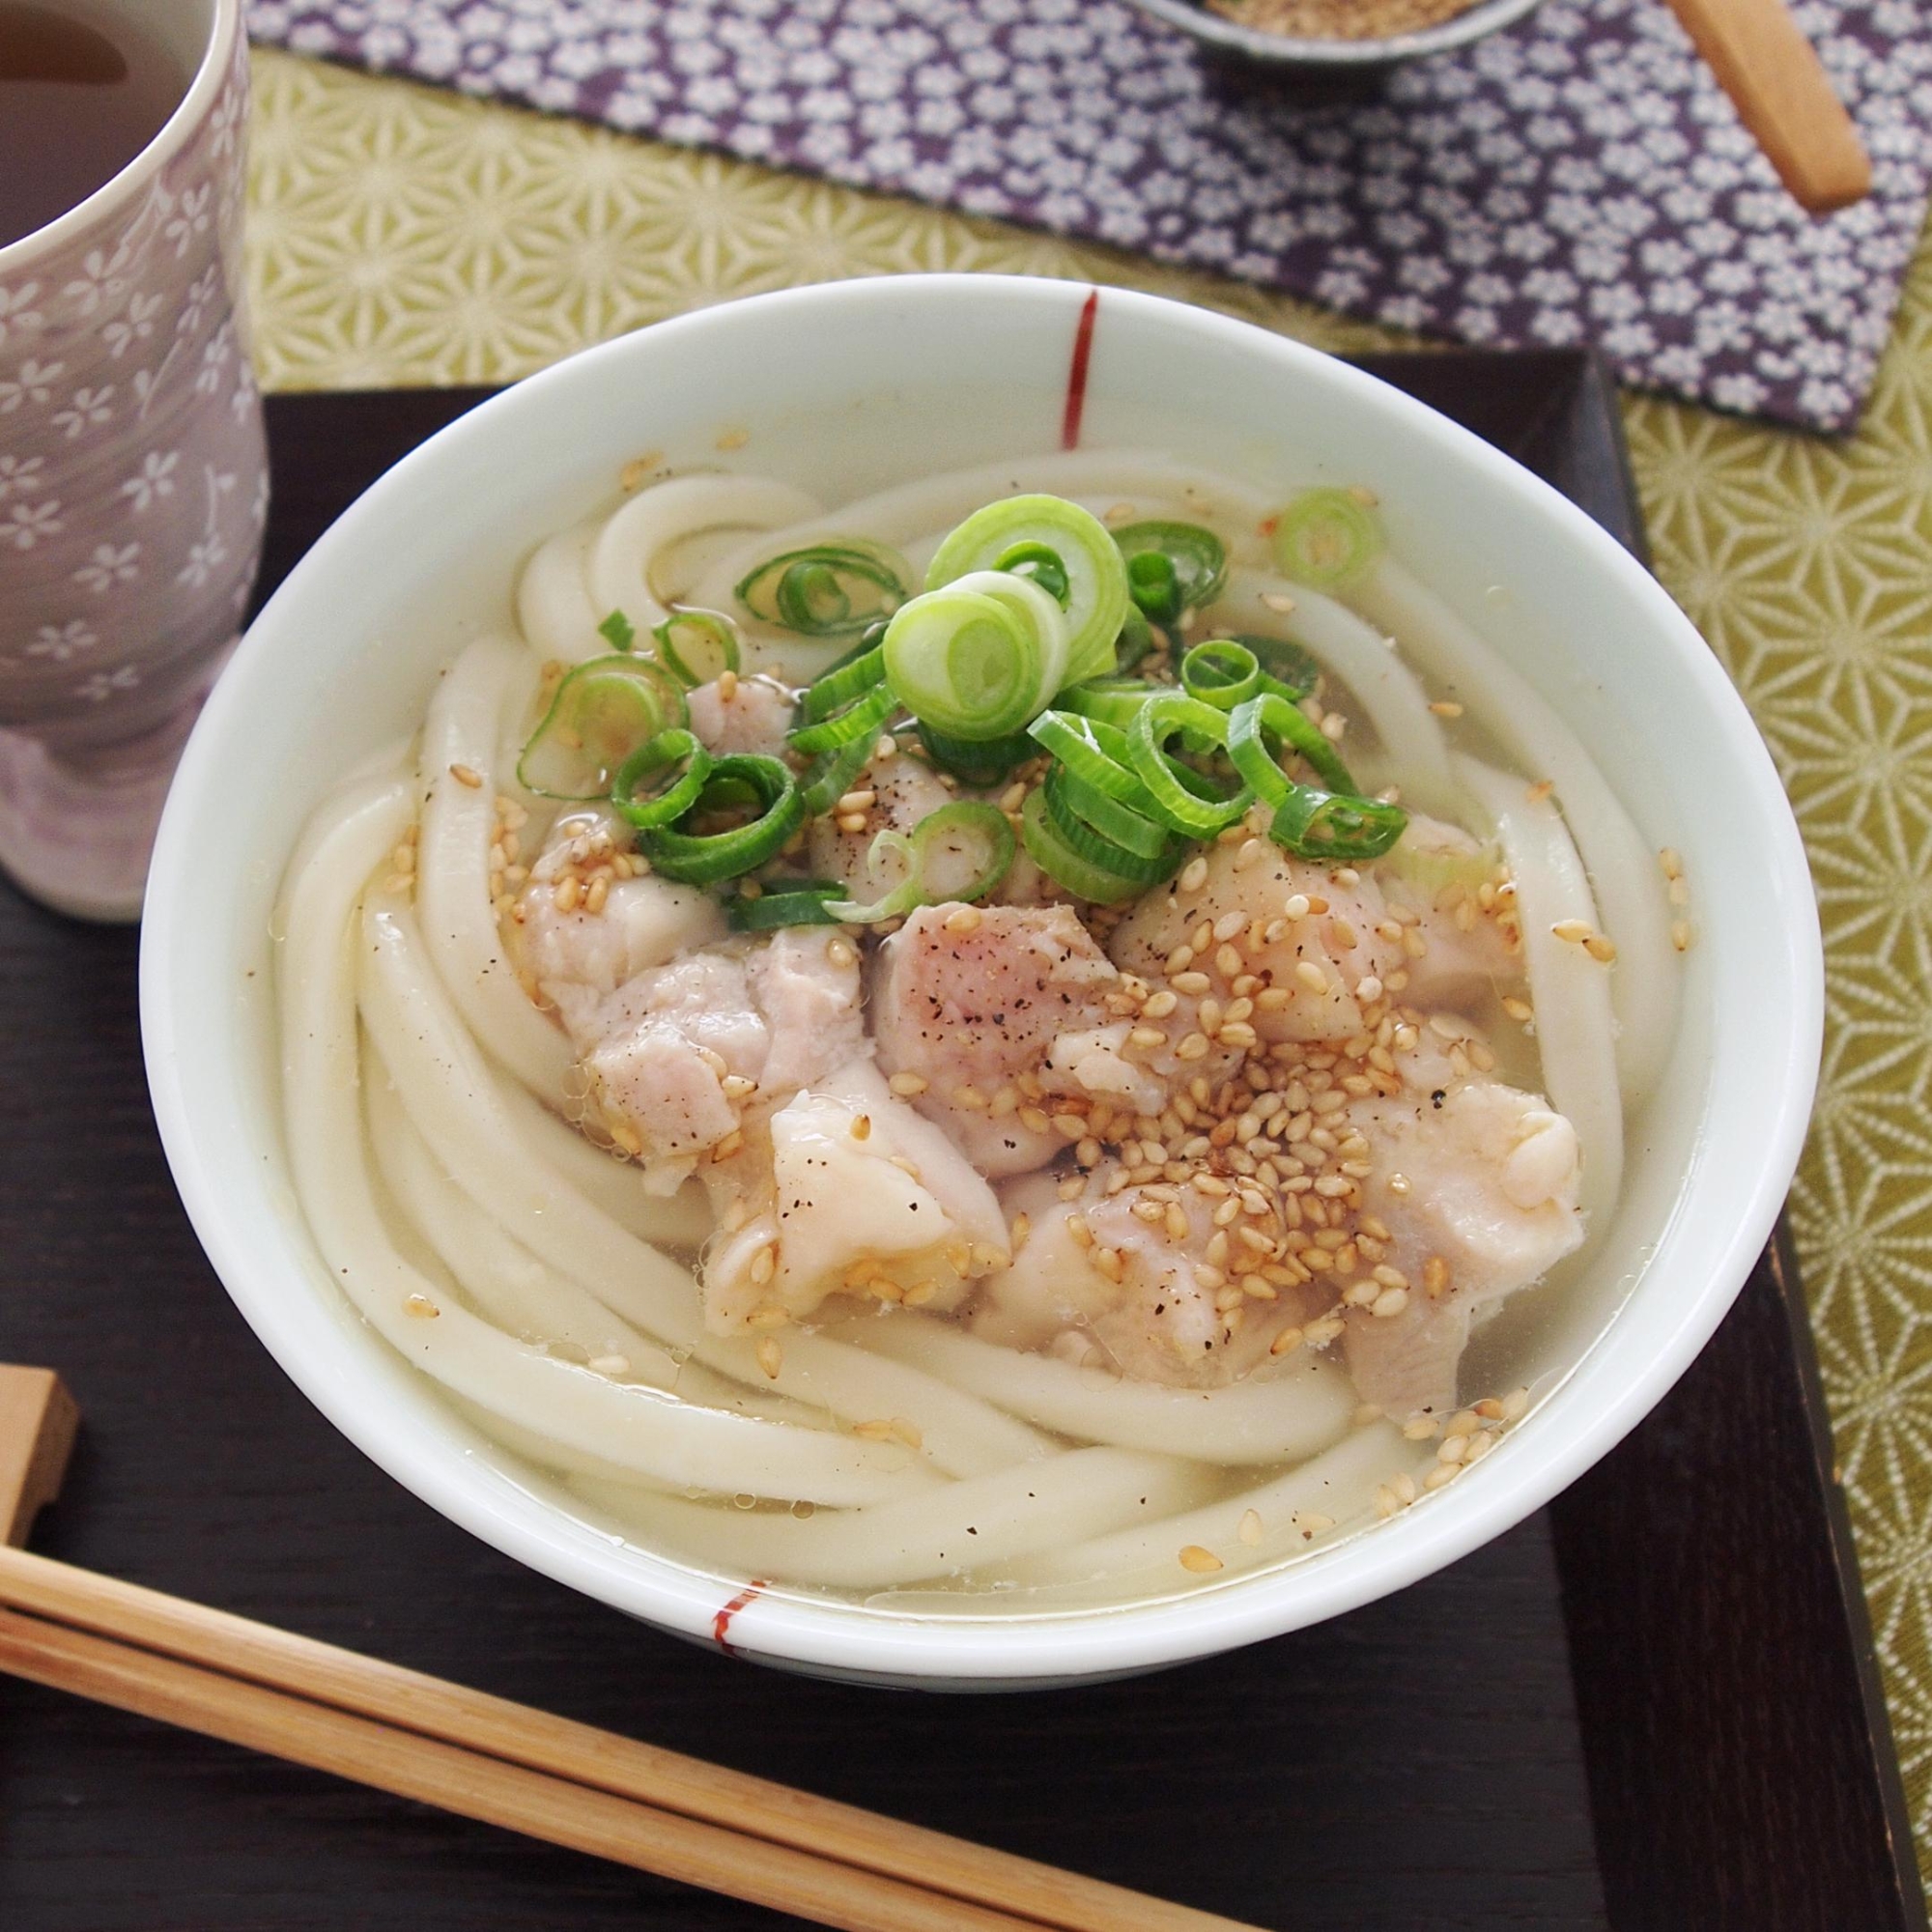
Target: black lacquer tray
x=1654 y=1705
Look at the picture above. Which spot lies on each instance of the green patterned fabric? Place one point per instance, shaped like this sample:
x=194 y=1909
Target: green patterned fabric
x=402 y=236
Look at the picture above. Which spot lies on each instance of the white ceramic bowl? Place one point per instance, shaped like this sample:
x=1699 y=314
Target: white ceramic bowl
x=846 y=388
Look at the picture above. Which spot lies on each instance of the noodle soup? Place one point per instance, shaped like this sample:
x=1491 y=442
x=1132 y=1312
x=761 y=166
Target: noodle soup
x=986 y=1047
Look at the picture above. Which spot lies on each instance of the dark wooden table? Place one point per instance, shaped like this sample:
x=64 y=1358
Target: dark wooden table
x=1652 y=1706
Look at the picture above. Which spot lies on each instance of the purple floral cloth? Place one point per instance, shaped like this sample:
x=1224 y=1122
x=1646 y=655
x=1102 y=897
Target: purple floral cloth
x=1578 y=178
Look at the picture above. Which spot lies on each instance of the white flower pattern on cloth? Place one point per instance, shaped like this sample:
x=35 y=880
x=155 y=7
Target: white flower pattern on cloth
x=61 y=641
x=1579 y=177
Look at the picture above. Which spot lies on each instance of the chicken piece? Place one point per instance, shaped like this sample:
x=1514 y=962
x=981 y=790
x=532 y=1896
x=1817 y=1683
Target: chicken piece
x=1488 y=1206
x=1159 y=1321
x=974 y=1000
x=677 y=1055
x=848 y=1191
x=574 y=959
x=1344 y=928
x=755 y=717
x=905 y=791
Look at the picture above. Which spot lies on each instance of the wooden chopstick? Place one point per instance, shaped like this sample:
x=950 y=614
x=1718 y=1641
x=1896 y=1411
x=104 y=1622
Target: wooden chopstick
x=478 y=1786
x=1778 y=85
x=548 y=1777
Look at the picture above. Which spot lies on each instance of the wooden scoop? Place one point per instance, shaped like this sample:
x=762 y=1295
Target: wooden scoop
x=1782 y=95
x=484 y=1757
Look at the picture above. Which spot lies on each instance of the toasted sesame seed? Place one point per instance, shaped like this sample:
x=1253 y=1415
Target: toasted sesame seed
x=1193 y=876
x=908 y=1086
x=1278 y=601
x=734 y=439
x=421 y=1307
x=566 y=892
x=610 y=1365
x=1159 y=1005
x=1390 y=1302
x=1310 y=976
x=1419 y=1429
x=1680 y=935
x=1447 y=707
x=1572 y=931
x=966 y=918
x=771 y=1357
x=1189 y=982
x=1249 y=1529
x=467 y=775
x=1203 y=1562
x=764 y=1264
x=1515 y=1405
x=1434 y=1277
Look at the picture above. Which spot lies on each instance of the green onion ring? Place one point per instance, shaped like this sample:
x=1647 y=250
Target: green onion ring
x=830 y=776
x=969 y=815
x=667 y=748
x=1248 y=749
x=1181 y=806
x=1196 y=561
x=603 y=710
x=698 y=859
x=849 y=678
x=1062 y=864
x=709 y=628
x=1093 y=749
x=1221 y=673
x=858 y=719
x=1045 y=565
x=1327 y=538
x=979 y=762
x=784 y=902
x=1317 y=825
x=1113 y=699
x=1132 y=845
x=813 y=591
x=980 y=657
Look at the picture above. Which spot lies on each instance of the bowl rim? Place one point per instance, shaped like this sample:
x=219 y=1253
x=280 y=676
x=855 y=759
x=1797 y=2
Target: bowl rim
x=1474 y=23
x=1035 y=1647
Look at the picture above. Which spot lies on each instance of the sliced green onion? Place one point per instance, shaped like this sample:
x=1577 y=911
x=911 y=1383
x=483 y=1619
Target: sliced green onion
x=1186 y=567
x=618 y=631
x=1221 y=673
x=830 y=778
x=782 y=902
x=745 y=778
x=601 y=713
x=1046 y=567
x=982 y=761
x=1154 y=587
x=1248 y=726
x=979 y=658
x=1135 y=642
x=1096 y=575
x=1093 y=749
x=1114 y=699
x=1327 y=538
x=668 y=749
x=1113 y=835
x=963 y=835
x=858 y=719
x=707 y=637
x=854 y=674
x=828 y=589
x=1317 y=825
x=1177 y=801
x=1081 y=877
x=1286 y=669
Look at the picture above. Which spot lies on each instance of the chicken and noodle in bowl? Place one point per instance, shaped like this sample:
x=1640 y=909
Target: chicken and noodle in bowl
x=988 y=1047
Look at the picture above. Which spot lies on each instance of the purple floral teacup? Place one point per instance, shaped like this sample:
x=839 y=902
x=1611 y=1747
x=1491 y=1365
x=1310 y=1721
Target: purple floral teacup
x=133 y=482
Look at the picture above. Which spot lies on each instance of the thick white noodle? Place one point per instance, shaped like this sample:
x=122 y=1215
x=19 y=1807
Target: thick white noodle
x=1337 y=1483
x=682 y=1221
x=967 y=1526
x=1628 y=881
x=459 y=923
x=329 y=1157
x=1414 y=751
x=619 y=564
x=1279 y=1419
x=553 y=607
x=1575 y=1027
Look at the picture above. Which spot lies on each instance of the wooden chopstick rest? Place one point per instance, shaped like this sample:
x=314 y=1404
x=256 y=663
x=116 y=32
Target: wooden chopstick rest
x=507 y=1764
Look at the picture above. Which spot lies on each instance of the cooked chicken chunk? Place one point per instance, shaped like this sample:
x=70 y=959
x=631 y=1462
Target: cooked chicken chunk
x=755 y=717
x=1127 y=1273
x=1325 y=942
x=1477 y=1186
x=849 y=1192
x=974 y=1002
x=905 y=791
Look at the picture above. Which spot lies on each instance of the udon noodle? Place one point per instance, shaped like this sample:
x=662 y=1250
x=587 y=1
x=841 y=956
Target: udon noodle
x=1183 y=1314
